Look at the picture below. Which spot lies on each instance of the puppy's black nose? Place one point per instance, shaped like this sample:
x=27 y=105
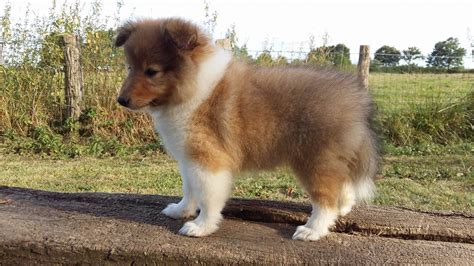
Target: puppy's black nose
x=123 y=101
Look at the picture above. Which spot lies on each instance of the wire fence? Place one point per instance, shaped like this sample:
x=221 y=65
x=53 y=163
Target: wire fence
x=35 y=91
x=33 y=79
x=395 y=84
x=411 y=92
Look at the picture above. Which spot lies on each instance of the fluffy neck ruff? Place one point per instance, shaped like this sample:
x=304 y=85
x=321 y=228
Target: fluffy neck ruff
x=171 y=122
x=210 y=72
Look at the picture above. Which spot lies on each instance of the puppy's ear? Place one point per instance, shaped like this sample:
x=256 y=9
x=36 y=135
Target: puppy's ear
x=123 y=33
x=182 y=35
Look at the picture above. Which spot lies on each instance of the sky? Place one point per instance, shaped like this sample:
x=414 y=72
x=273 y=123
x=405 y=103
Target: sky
x=288 y=25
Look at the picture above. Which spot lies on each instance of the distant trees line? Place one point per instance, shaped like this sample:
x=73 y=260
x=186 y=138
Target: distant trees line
x=447 y=56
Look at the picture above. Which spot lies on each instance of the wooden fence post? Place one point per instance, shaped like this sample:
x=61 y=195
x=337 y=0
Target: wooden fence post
x=364 y=65
x=72 y=77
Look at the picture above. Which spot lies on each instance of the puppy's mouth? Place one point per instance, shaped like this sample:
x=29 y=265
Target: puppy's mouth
x=145 y=107
x=155 y=102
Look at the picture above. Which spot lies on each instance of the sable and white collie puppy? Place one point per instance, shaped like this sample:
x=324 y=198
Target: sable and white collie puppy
x=217 y=116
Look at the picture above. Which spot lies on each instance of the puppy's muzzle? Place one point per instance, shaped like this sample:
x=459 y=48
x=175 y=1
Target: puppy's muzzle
x=123 y=101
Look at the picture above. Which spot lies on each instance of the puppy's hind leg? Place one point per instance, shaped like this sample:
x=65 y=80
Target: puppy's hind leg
x=323 y=186
x=212 y=190
x=187 y=207
x=322 y=217
x=347 y=199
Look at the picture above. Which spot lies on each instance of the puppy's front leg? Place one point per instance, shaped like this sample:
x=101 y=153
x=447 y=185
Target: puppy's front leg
x=211 y=189
x=187 y=207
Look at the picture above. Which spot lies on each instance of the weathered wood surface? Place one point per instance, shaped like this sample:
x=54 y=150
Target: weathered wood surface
x=46 y=228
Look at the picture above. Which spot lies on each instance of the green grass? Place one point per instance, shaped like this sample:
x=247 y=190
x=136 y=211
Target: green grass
x=111 y=174
x=402 y=92
x=34 y=98
x=416 y=111
x=427 y=182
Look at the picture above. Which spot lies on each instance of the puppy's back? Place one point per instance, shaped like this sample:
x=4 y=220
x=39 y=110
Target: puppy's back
x=297 y=114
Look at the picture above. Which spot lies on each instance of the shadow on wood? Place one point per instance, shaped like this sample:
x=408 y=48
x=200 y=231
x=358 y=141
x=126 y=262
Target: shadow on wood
x=49 y=227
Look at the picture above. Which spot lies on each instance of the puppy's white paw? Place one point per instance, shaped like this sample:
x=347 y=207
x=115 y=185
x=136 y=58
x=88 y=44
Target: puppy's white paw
x=197 y=229
x=345 y=210
x=178 y=211
x=307 y=234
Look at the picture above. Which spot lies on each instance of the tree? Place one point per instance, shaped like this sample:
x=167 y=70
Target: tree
x=447 y=54
x=319 y=56
x=51 y=54
x=281 y=60
x=97 y=52
x=411 y=54
x=231 y=35
x=210 y=18
x=240 y=52
x=340 y=55
x=265 y=58
x=387 y=56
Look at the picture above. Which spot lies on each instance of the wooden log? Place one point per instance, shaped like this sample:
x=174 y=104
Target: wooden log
x=72 y=77
x=364 y=65
x=98 y=228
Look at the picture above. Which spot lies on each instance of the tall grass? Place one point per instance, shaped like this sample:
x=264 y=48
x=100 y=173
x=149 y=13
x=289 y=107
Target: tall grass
x=413 y=109
x=438 y=123
x=424 y=108
x=32 y=90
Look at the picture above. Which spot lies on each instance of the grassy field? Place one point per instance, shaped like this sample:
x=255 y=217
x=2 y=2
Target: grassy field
x=426 y=176
x=35 y=98
x=427 y=182
x=40 y=149
x=423 y=177
x=398 y=92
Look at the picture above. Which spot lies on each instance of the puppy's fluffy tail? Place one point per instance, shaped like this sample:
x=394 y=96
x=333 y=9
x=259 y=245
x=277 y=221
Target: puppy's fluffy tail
x=368 y=161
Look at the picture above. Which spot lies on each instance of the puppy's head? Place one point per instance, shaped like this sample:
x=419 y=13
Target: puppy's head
x=161 y=55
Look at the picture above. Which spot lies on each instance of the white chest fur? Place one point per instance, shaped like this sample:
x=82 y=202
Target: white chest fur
x=172 y=123
x=172 y=130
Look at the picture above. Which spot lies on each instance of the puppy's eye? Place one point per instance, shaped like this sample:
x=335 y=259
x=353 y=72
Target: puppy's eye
x=150 y=72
